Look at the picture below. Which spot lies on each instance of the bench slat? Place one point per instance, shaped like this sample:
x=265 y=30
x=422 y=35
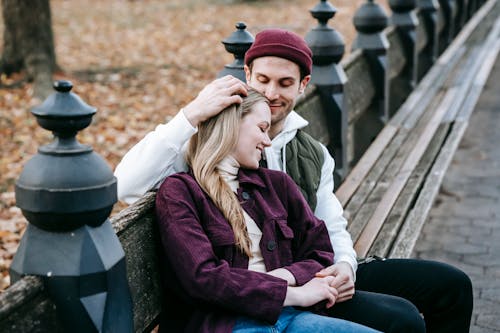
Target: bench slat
x=140 y=241
x=410 y=231
x=409 y=234
x=375 y=223
x=406 y=199
x=375 y=184
x=412 y=109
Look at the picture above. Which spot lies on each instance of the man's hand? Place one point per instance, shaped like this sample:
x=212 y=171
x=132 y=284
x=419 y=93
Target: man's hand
x=344 y=279
x=314 y=291
x=215 y=97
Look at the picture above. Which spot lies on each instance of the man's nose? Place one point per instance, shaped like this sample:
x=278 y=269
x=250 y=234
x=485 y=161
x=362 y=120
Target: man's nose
x=271 y=92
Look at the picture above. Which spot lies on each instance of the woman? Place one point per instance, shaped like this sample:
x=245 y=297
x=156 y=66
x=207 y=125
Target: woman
x=242 y=246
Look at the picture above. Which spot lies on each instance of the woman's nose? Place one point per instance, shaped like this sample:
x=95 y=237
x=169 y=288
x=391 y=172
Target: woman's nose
x=267 y=141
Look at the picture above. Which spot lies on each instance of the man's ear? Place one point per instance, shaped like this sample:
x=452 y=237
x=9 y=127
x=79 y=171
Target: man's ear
x=304 y=83
x=248 y=73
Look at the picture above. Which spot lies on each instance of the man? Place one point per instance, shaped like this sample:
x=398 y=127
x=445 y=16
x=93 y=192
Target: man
x=388 y=295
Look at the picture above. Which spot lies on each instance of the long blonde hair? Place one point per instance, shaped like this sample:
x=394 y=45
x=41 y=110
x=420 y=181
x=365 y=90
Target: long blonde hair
x=215 y=140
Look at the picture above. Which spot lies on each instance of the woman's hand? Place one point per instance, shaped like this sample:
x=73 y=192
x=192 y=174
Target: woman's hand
x=314 y=291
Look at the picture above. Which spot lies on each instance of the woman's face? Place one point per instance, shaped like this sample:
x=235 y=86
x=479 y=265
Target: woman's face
x=253 y=136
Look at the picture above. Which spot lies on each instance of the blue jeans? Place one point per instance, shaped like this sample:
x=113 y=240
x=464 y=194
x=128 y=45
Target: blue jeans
x=296 y=321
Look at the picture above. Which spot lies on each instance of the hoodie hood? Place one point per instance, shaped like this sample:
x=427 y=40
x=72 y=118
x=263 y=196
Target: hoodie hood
x=276 y=154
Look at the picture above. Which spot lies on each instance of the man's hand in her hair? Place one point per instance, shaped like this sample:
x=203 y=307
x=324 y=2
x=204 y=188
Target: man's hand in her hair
x=215 y=97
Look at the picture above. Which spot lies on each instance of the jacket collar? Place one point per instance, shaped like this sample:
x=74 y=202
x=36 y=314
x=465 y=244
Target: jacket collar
x=251 y=177
x=246 y=176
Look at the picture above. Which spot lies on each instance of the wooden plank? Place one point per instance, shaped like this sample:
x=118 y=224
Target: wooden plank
x=453 y=99
x=420 y=99
x=366 y=200
x=137 y=231
x=466 y=32
x=26 y=307
x=126 y=217
x=376 y=221
x=417 y=102
x=406 y=199
x=358 y=205
x=365 y=164
x=463 y=74
x=480 y=66
x=408 y=236
x=413 y=108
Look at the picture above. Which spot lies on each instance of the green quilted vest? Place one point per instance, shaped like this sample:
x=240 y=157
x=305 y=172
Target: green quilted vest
x=304 y=160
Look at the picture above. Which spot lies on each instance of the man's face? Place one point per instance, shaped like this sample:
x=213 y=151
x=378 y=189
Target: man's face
x=279 y=80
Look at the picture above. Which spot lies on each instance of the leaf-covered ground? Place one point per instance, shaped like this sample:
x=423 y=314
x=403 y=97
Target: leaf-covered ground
x=138 y=62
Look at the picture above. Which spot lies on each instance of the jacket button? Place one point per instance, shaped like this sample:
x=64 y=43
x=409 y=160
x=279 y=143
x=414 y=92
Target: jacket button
x=271 y=245
x=245 y=195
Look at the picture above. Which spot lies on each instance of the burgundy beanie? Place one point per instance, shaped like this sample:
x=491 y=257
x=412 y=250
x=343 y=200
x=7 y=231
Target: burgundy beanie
x=281 y=43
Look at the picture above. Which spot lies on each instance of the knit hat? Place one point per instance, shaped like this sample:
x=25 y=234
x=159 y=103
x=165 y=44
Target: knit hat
x=281 y=43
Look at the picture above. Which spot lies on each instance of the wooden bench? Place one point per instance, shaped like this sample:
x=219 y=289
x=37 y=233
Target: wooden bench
x=386 y=196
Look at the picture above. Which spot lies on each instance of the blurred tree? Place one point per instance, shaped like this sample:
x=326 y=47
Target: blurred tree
x=29 y=42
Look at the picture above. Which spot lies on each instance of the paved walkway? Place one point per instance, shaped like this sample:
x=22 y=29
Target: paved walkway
x=464 y=225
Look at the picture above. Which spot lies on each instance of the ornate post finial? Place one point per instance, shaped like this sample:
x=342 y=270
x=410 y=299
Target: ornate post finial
x=370 y=21
x=238 y=44
x=67 y=191
x=327 y=44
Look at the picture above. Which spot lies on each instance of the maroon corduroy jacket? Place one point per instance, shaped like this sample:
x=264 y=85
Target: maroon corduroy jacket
x=207 y=279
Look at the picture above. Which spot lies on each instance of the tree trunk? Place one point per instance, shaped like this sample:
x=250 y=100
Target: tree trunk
x=29 y=42
x=12 y=60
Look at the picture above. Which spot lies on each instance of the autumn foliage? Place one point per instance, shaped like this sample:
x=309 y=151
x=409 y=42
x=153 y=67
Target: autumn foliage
x=138 y=62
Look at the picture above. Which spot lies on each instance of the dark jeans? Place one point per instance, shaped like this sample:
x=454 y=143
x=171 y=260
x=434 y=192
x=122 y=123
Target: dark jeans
x=393 y=295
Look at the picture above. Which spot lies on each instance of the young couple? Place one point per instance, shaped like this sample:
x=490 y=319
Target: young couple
x=246 y=249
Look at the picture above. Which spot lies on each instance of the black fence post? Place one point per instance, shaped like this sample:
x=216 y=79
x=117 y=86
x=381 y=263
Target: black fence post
x=461 y=16
x=449 y=14
x=370 y=20
x=66 y=192
x=428 y=16
x=328 y=76
x=238 y=44
x=405 y=20
x=473 y=6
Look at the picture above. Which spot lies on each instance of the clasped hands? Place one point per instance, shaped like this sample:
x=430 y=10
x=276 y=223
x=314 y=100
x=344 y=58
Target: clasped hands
x=334 y=284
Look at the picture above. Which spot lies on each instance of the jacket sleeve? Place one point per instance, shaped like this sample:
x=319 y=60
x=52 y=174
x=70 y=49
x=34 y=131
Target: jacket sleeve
x=203 y=276
x=312 y=250
x=156 y=156
x=330 y=210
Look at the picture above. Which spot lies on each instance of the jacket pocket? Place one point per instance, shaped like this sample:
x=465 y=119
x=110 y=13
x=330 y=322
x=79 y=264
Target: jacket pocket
x=284 y=237
x=283 y=230
x=222 y=238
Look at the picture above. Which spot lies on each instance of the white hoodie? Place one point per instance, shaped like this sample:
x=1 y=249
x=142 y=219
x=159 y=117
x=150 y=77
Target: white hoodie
x=161 y=153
